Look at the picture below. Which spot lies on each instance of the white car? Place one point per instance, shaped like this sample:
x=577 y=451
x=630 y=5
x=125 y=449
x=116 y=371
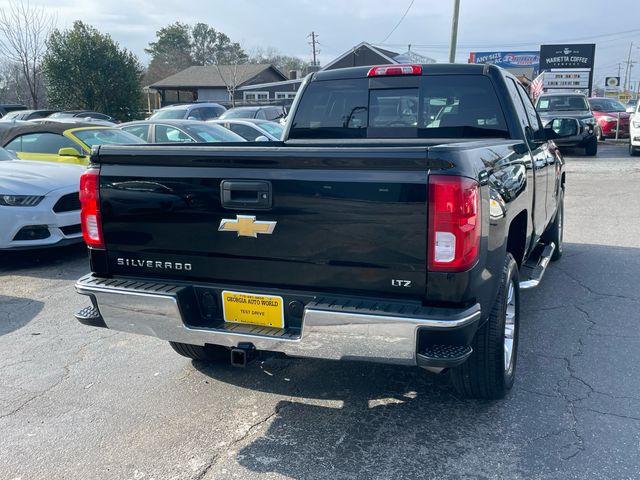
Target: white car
x=39 y=203
x=634 y=132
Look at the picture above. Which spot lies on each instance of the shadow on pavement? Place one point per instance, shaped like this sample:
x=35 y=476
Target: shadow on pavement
x=16 y=312
x=357 y=420
x=375 y=421
x=44 y=262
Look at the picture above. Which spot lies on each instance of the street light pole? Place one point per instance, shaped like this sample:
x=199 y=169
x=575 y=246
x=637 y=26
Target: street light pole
x=454 y=31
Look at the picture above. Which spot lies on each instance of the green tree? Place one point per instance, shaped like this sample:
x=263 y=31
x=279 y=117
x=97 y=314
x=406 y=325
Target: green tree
x=87 y=69
x=227 y=52
x=178 y=46
x=170 y=53
x=203 y=44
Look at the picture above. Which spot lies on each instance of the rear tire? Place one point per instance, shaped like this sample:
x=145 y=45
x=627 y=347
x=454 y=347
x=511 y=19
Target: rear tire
x=555 y=231
x=599 y=134
x=207 y=353
x=490 y=371
x=591 y=149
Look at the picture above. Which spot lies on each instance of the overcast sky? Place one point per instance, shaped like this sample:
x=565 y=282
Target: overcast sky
x=284 y=24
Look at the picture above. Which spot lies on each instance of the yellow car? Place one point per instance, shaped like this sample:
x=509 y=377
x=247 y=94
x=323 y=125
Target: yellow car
x=60 y=142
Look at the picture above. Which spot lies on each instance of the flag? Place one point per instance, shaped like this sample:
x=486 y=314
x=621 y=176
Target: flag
x=535 y=89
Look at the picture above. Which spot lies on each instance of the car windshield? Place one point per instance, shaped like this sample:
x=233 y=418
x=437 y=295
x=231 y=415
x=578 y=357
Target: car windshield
x=238 y=113
x=106 y=136
x=606 y=105
x=272 y=128
x=562 y=103
x=169 y=114
x=213 y=133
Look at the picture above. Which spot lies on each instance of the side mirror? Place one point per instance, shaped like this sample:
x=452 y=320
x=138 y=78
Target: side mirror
x=562 y=128
x=261 y=138
x=191 y=117
x=69 y=152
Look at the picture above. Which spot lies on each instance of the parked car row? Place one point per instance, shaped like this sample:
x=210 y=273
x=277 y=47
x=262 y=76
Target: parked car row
x=43 y=153
x=598 y=118
x=19 y=113
x=179 y=131
x=212 y=111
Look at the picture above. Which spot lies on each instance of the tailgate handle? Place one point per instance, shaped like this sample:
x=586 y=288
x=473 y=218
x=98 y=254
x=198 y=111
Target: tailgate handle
x=246 y=194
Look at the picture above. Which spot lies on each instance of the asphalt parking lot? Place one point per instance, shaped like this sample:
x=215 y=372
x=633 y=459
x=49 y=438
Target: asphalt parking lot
x=83 y=403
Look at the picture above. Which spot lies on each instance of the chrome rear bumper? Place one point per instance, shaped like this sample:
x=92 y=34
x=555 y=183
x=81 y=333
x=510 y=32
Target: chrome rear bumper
x=328 y=331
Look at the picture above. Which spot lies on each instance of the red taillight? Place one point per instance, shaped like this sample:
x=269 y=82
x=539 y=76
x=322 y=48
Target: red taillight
x=454 y=223
x=90 y=213
x=395 y=70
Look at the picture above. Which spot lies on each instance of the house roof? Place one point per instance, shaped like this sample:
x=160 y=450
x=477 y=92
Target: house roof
x=214 y=76
x=386 y=54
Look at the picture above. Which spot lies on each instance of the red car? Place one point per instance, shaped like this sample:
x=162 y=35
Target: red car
x=607 y=111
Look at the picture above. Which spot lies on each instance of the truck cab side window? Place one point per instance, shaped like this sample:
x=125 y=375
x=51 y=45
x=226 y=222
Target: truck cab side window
x=534 y=120
x=517 y=102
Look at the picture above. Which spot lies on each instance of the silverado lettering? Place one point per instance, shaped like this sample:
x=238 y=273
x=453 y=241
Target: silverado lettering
x=440 y=178
x=152 y=264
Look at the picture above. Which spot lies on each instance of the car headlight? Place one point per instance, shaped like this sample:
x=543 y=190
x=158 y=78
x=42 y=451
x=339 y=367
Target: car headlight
x=19 y=200
x=636 y=124
x=607 y=118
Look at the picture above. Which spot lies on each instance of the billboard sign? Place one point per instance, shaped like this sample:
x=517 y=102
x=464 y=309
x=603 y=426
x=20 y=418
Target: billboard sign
x=566 y=79
x=507 y=59
x=567 y=56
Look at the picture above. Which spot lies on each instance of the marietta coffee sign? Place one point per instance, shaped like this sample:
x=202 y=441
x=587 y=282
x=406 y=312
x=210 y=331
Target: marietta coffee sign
x=567 y=56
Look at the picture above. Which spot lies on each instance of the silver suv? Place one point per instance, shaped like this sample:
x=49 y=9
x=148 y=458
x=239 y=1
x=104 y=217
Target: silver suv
x=191 y=111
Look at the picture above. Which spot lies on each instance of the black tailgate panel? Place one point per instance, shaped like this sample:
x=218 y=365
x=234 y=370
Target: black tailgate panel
x=337 y=230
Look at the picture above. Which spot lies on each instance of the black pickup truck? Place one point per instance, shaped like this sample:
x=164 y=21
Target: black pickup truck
x=396 y=222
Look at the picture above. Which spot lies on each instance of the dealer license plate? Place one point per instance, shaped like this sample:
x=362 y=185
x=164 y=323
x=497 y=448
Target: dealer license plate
x=263 y=310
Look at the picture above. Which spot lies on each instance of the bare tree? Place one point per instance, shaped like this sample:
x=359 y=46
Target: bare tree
x=24 y=31
x=227 y=64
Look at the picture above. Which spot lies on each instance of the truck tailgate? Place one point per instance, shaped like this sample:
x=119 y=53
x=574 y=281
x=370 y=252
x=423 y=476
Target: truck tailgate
x=346 y=219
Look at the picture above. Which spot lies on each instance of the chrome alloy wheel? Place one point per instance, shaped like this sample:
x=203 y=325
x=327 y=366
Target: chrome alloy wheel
x=509 y=328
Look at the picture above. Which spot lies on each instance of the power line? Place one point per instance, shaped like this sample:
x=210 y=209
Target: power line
x=617 y=36
x=399 y=21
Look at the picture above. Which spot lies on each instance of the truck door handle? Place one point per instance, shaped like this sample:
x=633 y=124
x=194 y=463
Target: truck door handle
x=246 y=194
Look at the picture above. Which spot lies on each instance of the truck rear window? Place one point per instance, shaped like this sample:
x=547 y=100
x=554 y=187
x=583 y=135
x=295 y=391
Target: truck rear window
x=444 y=106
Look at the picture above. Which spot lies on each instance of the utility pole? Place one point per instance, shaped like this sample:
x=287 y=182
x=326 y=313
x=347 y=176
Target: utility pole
x=619 y=69
x=454 y=31
x=629 y=64
x=314 y=43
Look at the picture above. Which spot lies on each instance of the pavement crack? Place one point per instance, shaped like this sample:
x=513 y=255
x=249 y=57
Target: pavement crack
x=617 y=415
x=255 y=426
x=65 y=375
x=592 y=291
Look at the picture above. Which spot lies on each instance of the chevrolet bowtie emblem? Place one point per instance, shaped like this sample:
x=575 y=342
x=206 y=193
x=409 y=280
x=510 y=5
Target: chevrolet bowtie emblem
x=246 y=226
